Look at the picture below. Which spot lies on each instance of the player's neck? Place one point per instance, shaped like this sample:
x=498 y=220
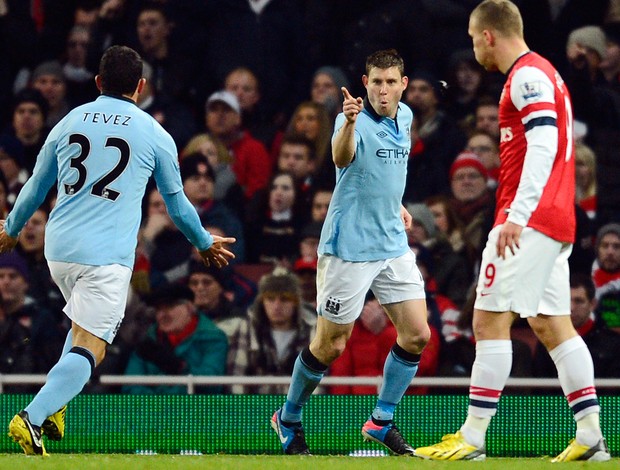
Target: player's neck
x=513 y=49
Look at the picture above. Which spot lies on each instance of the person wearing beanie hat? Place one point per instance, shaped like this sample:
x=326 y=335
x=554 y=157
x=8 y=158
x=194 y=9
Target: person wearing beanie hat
x=212 y=289
x=30 y=110
x=180 y=342
x=422 y=219
x=524 y=270
x=589 y=37
x=326 y=84
x=49 y=79
x=276 y=329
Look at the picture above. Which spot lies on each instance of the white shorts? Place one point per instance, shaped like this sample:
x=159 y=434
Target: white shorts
x=534 y=280
x=96 y=296
x=342 y=285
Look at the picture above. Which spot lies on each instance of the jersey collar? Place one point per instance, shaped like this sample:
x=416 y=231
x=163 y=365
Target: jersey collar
x=515 y=62
x=118 y=97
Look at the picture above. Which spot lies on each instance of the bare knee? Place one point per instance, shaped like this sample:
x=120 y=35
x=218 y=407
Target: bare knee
x=327 y=350
x=415 y=341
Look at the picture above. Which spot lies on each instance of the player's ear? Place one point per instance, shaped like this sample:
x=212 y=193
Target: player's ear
x=98 y=82
x=141 y=84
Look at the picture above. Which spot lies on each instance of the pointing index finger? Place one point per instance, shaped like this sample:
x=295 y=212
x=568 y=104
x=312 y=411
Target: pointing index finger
x=346 y=93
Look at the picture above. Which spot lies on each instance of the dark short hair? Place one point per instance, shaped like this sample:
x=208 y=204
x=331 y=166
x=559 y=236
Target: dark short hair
x=189 y=166
x=120 y=70
x=384 y=60
x=584 y=280
x=294 y=138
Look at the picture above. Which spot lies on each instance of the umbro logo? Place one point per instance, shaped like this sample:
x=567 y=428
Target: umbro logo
x=381 y=134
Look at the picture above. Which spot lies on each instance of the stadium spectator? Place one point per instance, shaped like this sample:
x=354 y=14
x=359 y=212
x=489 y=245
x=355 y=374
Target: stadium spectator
x=486 y=147
x=80 y=81
x=250 y=160
x=44 y=329
x=297 y=156
x=320 y=204
x=603 y=343
x=311 y=120
x=276 y=329
x=585 y=179
x=487 y=116
x=28 y=124
x=11 y=156
x=198 y=179
x=448 y=224
x=327 y=82
x=273 y=234
x=181 y=342
x=452 y=274
x=606 y=275
x=306 y=265
x=243 y=83
x=50 y=80
x=610 y=65
x=213 y=296
x=472 y=201
x=436 y=139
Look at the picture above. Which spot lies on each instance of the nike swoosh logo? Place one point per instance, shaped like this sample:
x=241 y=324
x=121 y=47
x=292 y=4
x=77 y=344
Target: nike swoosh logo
x=484 y=294
x=281 y=436
x=35 y=439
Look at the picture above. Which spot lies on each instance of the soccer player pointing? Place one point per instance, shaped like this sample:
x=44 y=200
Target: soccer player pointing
x=102 y=155
x=363 y=246
x=524 y=269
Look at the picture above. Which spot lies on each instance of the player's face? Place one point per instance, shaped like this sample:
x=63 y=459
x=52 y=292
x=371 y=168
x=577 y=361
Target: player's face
x=280 y=309
x=481 y=47
x=295 y=159
x=609 y=253
x=385 y=87
x=580 y=306
x=33 y=235
x=282 y=193
x=206 y=290
x=245 y=87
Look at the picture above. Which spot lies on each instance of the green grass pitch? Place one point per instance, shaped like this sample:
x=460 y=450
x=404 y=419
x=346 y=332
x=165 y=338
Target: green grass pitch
x=270 y=462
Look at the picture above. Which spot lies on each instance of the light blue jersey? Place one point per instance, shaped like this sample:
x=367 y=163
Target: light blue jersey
x=363 y=221
x=102 y=155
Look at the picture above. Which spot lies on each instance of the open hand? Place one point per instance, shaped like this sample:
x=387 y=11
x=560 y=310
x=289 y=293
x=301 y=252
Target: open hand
x=218 y=254
x=7 y=243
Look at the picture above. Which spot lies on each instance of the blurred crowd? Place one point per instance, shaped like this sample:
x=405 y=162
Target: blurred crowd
x=249 y=90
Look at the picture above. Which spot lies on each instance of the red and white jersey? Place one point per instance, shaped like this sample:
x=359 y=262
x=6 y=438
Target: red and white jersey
x=537 y=172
